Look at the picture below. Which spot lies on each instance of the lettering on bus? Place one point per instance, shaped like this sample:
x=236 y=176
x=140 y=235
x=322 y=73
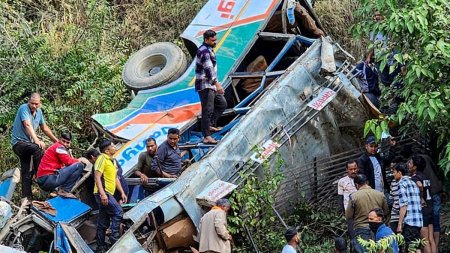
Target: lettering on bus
x=225 y=8
x=324 y=97
x=132 y=151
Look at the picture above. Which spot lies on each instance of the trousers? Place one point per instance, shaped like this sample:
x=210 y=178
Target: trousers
x=213 y=105
x=64 y=178
x=109 y=214
x=27 y=151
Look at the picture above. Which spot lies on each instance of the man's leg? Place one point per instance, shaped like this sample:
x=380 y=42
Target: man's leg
x=102 y=224
x=115 y=212
x=207 y=102
x=410 y=234
x=364 y=233
x=350 y=229
x=437 y=218
x=26 y=150
x=220 y=104
x=47 y=183
x=68 y=176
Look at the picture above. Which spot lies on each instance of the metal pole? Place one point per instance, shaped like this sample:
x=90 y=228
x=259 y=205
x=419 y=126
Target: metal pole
x=255 y=248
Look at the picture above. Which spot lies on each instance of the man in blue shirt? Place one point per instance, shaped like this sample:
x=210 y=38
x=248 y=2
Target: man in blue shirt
x=25 y=142
x=208 y=87
x=167 y=162
x=377 y=226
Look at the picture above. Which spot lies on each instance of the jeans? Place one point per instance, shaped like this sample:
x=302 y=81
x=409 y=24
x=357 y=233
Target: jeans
x=365 y=234
x=25 y=151
x=64 y=178
x=111 y=212
x=213 y=105
x=436 y=212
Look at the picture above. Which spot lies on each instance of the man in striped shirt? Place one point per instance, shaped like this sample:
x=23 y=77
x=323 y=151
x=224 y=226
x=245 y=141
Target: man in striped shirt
x=209 y=89
x=395 y=211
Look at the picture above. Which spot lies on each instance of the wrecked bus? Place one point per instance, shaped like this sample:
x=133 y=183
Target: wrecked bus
x=289 y=89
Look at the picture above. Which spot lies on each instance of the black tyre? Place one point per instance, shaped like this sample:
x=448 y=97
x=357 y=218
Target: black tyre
x=154 y=66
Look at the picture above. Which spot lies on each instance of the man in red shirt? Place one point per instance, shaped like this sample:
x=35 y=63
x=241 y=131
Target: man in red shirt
x=58 y=168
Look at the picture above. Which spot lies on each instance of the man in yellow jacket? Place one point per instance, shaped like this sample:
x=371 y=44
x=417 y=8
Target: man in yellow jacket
x=214 y=236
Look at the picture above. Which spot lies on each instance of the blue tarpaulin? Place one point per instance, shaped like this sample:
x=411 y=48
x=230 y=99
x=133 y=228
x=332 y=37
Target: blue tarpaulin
x=61 y=242
x=67 y=210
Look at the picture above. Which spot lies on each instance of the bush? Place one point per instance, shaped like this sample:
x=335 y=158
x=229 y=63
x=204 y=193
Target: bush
x=73 y=54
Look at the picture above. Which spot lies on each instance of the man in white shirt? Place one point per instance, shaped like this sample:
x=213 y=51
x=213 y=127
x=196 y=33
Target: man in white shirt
x=346 y=186
x=293 y=240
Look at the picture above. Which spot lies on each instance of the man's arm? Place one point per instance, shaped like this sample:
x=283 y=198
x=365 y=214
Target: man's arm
x=47 y=131
x=401 y=218
x=139 y=168
x=220 y=225
x=65 y=157
x=210 y=71
x=422 y=200
x=101 y=191
x=350 y=211
x=403 y=203
x=385 y=207
x=208 y=67
x=122 y=193
x=341 y=197
x=30 y=131
x=161 y=154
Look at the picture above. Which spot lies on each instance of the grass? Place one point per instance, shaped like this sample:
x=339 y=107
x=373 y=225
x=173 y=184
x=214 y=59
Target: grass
x=336 y=17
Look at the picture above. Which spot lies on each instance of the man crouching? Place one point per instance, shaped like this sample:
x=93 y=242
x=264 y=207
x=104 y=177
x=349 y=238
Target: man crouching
x=59 y=169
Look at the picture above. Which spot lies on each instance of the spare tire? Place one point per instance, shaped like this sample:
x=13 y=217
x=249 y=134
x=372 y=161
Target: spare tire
x=154 y=66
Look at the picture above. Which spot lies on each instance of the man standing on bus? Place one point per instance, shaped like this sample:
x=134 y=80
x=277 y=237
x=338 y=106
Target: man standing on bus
x=208 y=87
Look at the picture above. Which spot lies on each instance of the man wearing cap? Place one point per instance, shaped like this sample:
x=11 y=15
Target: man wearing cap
x=25 y=142
x=293 y=240
x=59 y=169
x=214 y=236
x=370 y=164
x=361 y=203
x=106 y=183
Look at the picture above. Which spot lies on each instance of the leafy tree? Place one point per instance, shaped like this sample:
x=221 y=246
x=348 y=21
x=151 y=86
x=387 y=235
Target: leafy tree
x=419 y=32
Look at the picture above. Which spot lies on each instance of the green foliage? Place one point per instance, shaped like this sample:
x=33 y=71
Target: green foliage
x=73 y=53
x=319 y=225
x=384 y=244
x=419 y=31
x=252 y=209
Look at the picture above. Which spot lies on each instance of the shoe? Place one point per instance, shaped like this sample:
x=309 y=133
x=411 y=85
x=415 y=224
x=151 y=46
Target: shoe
x=215 y=129
x=209 y=140
x=65 y=194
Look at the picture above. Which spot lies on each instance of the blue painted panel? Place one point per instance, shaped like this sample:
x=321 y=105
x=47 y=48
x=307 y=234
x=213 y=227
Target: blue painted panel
x=163 y=102
x=67 y=210
x=7 y=188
